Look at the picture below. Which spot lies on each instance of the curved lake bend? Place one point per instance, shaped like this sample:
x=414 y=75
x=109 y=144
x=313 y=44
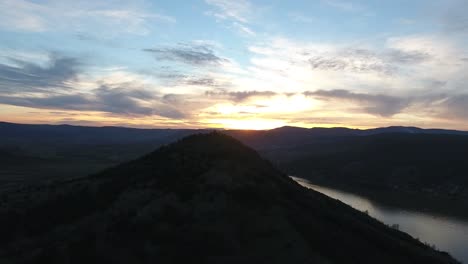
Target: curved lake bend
x=447 y=234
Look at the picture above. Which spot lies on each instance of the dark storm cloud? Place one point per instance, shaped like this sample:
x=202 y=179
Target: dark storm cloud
x=28 y=77
x=197 y=55
x=240 y=96
x=376 y=104
x=119 y=101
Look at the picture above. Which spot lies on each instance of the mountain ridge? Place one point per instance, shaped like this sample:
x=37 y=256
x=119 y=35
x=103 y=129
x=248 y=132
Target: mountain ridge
x=396 y=128
x=206 y=197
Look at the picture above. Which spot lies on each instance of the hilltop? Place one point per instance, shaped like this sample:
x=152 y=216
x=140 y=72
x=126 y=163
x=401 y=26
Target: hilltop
x=205 y=198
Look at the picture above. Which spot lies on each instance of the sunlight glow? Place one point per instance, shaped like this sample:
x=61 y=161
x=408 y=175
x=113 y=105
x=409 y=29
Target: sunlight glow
x=280 y=104
x=257 y=112
x=251 y=124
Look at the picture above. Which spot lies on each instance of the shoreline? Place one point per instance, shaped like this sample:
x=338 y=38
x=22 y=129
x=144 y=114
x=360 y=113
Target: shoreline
x=435 y=205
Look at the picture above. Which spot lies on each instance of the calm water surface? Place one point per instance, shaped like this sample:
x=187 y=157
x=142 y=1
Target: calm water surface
x=447 y=234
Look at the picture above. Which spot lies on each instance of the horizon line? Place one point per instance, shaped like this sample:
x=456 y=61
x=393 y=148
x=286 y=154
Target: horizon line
x=227 y=129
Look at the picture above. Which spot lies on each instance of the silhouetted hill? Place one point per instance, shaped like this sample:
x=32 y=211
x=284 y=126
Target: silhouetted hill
x=36 y=153
x=67 y=134
x=422 y=169
x=286 y=137
x=421 y=163
x=205 y=199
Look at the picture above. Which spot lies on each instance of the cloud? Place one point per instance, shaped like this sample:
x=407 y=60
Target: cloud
x=71 y=102
x=22 y=16
x=376 y=104
x=175 y=78
x=124 y=101
x=363 y=60
x=171 y=77
x=167 y=73
x=243 y=29
x=402 y=64
x=348 y=6
x=133 y=101
x=87 y=16
x=26 y=76
x=205 y=82
x=196 y=55
x=456 y=106
x=407 y=57
x=355 y=61
x=240 y=96
x=238 y=12
x=398 y=79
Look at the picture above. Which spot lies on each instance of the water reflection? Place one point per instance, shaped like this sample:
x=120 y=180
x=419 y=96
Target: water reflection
x=447 y=234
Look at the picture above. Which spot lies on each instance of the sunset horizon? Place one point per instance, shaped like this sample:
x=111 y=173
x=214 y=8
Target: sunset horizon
x=220 y=128
x=234 y=131
x=235 y=64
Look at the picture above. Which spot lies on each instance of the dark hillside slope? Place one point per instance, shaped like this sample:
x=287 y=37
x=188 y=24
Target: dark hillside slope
x=437 y=164
x=68 y=134
x=32 y=154
x=204 y=199
x=424 y=172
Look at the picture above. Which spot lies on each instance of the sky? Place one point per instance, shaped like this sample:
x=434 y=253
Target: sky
x=240 y=64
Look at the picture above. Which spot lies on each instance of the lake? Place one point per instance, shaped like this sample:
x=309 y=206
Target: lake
x=446 y=233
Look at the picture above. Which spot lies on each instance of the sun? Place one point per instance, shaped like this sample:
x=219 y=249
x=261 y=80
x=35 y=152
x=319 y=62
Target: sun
x=248 y=124
x=257 y=113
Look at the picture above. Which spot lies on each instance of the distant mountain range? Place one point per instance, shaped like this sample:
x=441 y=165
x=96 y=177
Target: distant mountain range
x=122 y=135
x=418 y=169
x=69 y=134
x=14 y=135
x=286 y=136
x=206 y=199
x=422 y=163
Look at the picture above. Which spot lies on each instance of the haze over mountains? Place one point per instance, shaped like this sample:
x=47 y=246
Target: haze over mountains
x=206 y=198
